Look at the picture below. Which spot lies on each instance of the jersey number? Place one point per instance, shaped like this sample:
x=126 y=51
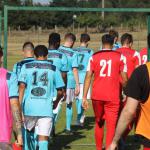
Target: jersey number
x=43 y=78
x=81 y=57
x=105 y=64
x=144 y=58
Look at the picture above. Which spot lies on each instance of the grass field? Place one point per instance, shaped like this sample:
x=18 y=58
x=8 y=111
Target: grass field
x=84 y=138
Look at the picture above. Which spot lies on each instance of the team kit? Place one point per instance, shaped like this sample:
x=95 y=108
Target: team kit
x=50 y=76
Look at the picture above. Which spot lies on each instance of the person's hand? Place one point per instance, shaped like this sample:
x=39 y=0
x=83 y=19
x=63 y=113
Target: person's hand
x=19 y=141
x=113 y=146
x=85 y=104
x=77 y=90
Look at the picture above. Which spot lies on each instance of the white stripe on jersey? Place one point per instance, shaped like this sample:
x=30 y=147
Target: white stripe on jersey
x=123 y=58
x=137 y=54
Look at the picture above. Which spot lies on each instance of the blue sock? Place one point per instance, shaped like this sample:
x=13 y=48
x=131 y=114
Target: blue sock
x=80 y=110
x=68 y=116
x=43 y=145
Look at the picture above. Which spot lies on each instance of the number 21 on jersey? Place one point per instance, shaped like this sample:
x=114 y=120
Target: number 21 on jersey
x=105 y=64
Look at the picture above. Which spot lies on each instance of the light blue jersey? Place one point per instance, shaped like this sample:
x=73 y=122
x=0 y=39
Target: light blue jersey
x=72 y=63
x=116 y=46
x=17 y=67
x=12 y=83
x=84 y=55
x=58 y=59
x=40 y=77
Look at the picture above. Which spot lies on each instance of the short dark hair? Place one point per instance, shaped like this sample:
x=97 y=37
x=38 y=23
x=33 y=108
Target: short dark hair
x=114 y=33
x=28 y=45
x=84 y=38
x=54 y=40
x=148 y=40
x=40 y=51
x=107 y=39
x=70 y=36
x=126 y=38
x=1 y=52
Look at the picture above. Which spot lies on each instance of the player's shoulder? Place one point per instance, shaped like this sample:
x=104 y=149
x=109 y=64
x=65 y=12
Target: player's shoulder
x=55 y=54
x=67 y=50
x=10 y=75
x=101 y=52
x=82 y=49
x=143 y=50
x=40 y=65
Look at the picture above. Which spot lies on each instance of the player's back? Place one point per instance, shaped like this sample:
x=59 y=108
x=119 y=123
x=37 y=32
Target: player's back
x=17 y=67
x=84 y=55
x=58 y=59
x=132 y=59
x=72 y=63
x=39 y=76
x=106 y=65
x=143 y=55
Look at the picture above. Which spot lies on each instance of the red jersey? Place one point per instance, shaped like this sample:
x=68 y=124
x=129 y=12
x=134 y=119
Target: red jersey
x=106 y=66
x=143 y=55
x=132 y=59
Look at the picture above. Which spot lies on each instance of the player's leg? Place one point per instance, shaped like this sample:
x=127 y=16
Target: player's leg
x=44 y=128
x=111 y=117
x=99 y=123
x=69 y=111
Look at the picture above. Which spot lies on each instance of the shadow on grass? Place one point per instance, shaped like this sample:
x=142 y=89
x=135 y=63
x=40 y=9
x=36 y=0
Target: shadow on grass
x=63 y=141
x=132 y=143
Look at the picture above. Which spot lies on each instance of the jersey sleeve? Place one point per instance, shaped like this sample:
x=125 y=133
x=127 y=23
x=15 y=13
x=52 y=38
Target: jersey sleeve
x=64 y=67
x=138 y=84
x=15 y=68
x=137 y=58
x=75 y=61
x=90 y=66
x=123 y=64
x=58 y=81
x=23 y=76
x=13 y=87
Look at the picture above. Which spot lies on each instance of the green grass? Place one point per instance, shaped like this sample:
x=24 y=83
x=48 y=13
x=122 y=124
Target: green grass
x=84 y=137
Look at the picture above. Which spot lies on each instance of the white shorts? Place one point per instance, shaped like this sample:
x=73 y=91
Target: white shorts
x=80 y=96
x=70 y=95
x=42 y=125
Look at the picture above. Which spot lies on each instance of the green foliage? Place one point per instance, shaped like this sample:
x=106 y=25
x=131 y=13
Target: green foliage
x=26 y=20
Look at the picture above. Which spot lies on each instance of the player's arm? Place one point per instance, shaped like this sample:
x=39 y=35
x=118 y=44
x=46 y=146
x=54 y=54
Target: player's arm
x=76 y=76
x=126 y=117
x=124 y=79
x=15 y=106
x=22 y=87
x=75 y=73
x=87 y=83
x=59 y=84
x=16 y=110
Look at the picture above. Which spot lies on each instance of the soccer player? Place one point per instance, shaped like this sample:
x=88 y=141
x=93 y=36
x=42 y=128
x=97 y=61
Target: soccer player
x=132 y=56
x=115 y=35
x=72 y=77
x=28 y=53
x=37 y=81
x=143 y=52
x=106 y=66
x=138 y=93
x=9 y=104
x=84 y=53
x=58 y=59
